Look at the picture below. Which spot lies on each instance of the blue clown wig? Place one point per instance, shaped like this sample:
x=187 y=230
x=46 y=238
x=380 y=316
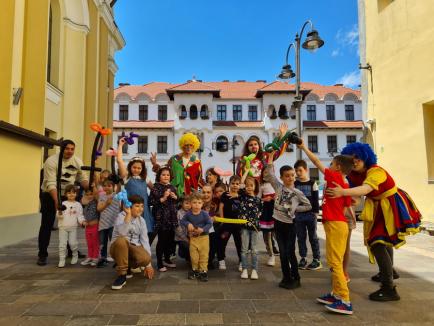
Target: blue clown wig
x=361 y=151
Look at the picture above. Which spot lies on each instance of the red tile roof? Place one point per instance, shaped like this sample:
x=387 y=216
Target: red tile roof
x=239 y=124
x=357 y=124
x=143 y=124
x=232 y=90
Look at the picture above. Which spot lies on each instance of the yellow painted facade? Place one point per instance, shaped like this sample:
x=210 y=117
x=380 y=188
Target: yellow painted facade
x=77 y=40
x=400 y=96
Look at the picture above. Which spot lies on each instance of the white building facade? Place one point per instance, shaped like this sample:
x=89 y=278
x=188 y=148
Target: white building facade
x=221 y=112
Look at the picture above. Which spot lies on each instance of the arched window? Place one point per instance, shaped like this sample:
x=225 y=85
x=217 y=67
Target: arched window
x=204 y=112
x=283 y=113
x=183 y=112
x=193 y=112
x=222 y=144
x=53 y=43
x=272 y=112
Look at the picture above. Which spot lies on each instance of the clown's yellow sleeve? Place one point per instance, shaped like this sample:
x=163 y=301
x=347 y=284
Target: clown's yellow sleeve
x=374 y=177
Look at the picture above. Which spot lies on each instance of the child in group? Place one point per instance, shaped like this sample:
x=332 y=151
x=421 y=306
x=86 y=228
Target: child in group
x=219 y=189
x=108 y=207
x=136 y=183
x=91 y=216
x=351 y=218
x=307 y=221
x=250 y=210
x=163 y=199
x=104 y=175
x=211 y=208
x=181 y=237
x=229 y=207
x=198 y=224
x=212 y=178
x=266 y=221
x=336 y=230
x=130 y=247
x=69 y=220
x=288 y=201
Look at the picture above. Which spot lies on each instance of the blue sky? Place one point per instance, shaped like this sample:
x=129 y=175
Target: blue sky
x=174 y=40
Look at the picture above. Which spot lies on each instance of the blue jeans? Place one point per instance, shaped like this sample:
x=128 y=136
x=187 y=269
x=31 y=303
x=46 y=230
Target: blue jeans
x=104 y=237
x=285 y=235
x=249 y=237
x=305 y=224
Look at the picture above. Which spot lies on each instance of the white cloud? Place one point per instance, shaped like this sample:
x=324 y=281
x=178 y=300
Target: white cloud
x=335 y=52
x=348 y=39
x=351 y=79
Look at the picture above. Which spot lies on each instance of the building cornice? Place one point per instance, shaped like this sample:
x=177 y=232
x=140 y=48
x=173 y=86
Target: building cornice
x=76 y=26
x=53 y=94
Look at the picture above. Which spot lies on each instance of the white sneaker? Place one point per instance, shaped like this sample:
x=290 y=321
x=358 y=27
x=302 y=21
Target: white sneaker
x=222 y=265
x=254 y=275
x=136 y=270
x=271 y=261
x=61 y=263
x=94 y=262
x=110 y=259
x=86 y=262
x=240 y=267
x=74 y=259
x=244 y=274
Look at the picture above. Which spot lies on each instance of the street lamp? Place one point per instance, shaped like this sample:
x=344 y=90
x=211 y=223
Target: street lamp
x=312 y=43
x=234 y=145
x=201 y=150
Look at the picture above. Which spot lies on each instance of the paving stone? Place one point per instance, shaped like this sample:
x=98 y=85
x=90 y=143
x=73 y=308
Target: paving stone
x=204 y=319
x=162 y=319
x=178 y=306
x=45 y=320
x=235 y=318
x=35 y=298
x=202 y=295
x=308 y=317
x=9 y=298
x=11 y=320
x=16 y=309
x=139 y=297
x=276 y=305
x=62 y=308
x=272 y=317
x=226 y=306
x=88 y=320
x=245 y=295
x=126 y=308
x=124 y=320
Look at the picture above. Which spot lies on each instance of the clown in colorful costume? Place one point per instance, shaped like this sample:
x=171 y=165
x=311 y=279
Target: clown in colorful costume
x=186 y=167
x=389 y=214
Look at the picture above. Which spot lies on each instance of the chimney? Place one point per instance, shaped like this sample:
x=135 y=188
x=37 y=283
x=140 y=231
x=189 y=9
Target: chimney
x=124 y=84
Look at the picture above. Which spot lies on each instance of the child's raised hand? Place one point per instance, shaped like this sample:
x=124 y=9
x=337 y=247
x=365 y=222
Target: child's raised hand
x=301 y=145
x=271 y=157
x=153 y=158
x=283 y=129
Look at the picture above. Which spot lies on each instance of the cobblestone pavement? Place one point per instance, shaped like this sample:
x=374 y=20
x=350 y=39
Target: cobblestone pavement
x=77 y=295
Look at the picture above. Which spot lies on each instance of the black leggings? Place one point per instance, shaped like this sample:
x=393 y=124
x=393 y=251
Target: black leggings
x=384 y=257
x=224 y=233
x=164 y=246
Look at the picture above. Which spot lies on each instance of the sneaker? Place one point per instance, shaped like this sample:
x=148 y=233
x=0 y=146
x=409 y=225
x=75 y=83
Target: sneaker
x=86 y=262
x=169 y=264
x=240 y=267
x=129 y=273
x=192 y=275
x=377 y=277
x=283 y=284
x=110 y=259
x=271 y=261
x=162 y=269
x=385 y=294
x=94 y=262
x=326 y=299
x=314 y=265
x=119 y=282
x=244 y=274
x=340 y=307
x=302 y=264
x=222 y=265
x=102 y=263
x=203 y=277
x=42 y=261
x=74 y=259
x=136 y=270
x=61 y=263
x=254 y=275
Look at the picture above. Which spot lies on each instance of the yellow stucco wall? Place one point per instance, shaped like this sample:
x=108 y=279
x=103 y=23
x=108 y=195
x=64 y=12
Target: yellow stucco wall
x=400 y=47
x=80 y=37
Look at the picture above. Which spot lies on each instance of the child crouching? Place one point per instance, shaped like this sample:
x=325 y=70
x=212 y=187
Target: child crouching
x=130 y=244
x=198 y=224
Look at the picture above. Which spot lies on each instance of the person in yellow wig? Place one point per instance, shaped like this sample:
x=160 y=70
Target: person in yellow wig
x=186 y=166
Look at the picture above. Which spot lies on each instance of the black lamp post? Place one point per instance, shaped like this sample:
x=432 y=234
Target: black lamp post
x=312 y=43
x=201 y=150
x=234 y=145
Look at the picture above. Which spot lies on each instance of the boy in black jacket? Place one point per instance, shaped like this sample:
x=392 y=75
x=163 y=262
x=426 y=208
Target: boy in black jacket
x=307 y=221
